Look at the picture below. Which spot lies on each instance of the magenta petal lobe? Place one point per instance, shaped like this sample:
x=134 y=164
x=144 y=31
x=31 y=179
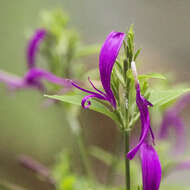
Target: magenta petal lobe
x=36 y=74
x=151 y=167
x=108 y=55
x=107 y=58
x=142 y=104
x=33 y=46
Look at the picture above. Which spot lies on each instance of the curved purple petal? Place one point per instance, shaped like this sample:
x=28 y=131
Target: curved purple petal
x=33 y=46
x=172 y=119
x=93 y=86
x=180 y=105
x=12 y=81
x=108 y=55
x=85 y=99
x=35 y=74
x=151 y=167
x=16 y=83
x=142 y=104
x=92 y=95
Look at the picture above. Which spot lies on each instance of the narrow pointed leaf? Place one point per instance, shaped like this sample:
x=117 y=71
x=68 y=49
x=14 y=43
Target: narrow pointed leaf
x=162 y=97
x=152 y=76
x=75 y=99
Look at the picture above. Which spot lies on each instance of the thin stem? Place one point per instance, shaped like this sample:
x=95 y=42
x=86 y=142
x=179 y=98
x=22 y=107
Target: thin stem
x=84 y=156
x=126 y=125
x=112 y=169
x=127 y=162
x=76 y=130
x=37 y=168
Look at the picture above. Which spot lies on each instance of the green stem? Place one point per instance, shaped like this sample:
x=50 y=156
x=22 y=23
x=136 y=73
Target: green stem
x=126 y=125
x=127 y=162
x=84 y=157
x=76 y=130
x=112 y=169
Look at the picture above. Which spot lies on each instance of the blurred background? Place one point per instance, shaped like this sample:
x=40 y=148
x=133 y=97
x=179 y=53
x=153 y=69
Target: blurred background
x=162 y=29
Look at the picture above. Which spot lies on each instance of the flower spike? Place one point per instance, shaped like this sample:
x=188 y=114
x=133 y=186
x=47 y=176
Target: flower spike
x=107 y=58
x=33 y=46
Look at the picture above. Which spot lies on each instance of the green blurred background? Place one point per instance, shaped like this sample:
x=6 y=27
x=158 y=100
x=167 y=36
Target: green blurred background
x=162 y=29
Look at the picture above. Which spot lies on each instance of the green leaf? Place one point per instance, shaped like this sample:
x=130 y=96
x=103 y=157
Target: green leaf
x=88 y=50
x=102 y=155
x=68 y=183
x=173 y=187
x=75 y=99
x=152 y=75
x=162 y=97
x=137 y=54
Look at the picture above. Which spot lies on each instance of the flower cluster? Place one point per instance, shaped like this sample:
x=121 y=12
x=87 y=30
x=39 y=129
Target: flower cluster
x=34 y=76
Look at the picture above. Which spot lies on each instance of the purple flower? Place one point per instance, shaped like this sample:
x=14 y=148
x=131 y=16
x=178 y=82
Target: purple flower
x=33 y=78
x=33 y=45
x=151 y=168
x=12 y=81
x=176 y=166
x=142 y=104
x=107 y=58
x=172 y=119
x=35 y=75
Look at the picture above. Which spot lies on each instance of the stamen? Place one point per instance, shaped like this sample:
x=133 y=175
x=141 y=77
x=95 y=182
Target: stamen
x=134 y=70
x=95 y=87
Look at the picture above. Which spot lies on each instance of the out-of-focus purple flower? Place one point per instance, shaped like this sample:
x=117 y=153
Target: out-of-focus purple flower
x=33 y=78
x=12 y=81
x=107 y=58
x=37 y=168
x=173 y=120
x=151 y=168
x=33 y=45
x=35 y=75
x=176 y=166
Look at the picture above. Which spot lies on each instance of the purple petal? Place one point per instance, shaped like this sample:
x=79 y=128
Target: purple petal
x=12 y=81
x=36 y=74
x=108 y=55
x=92 y=95
x=33 y=46
x=151 y=167
x=142 y=104
x=85 y=99
x=172 y=119
x=180 y=105
x=176 y=166
x=93 y=86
